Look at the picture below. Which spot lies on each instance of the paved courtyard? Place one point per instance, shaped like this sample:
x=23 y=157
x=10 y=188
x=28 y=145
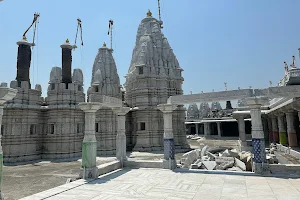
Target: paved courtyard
x=156 y=184
x=29 y=178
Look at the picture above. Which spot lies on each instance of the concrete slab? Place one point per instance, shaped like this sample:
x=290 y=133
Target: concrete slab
x=210 y=165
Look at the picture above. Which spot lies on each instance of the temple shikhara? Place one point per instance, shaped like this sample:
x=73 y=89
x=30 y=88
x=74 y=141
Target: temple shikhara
x=149 y=113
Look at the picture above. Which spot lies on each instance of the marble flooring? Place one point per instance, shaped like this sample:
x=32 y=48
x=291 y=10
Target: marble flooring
x=159 y=184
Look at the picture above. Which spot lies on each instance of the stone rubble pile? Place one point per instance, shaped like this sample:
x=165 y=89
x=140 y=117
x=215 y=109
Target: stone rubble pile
x=217 y=159
x=194 y=137
x=271 y=157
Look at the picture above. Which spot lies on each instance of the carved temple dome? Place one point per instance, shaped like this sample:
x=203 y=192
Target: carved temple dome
x=153 y=50
x=204 y=110
x=193 y=112
x=154 y=73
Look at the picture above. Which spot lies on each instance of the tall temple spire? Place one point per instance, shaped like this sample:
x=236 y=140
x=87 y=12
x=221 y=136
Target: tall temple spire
x=153 y=76
x=105 y=78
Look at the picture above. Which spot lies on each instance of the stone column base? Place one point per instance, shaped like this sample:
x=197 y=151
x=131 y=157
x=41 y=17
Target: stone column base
x=275 y=137
x=260 y=168
x=292 y=138
x=247 y=148
x=283 y=138
x=142 y=143
x=169 y=164
x=243 y=145
x=87 y=173
x=121 y=147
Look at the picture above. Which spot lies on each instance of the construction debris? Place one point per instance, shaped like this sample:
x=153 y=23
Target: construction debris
x=194 y=137
x=217 y=159
x=220 y=158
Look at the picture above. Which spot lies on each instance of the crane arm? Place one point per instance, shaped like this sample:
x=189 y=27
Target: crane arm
x=79 y=27
x=34 y=22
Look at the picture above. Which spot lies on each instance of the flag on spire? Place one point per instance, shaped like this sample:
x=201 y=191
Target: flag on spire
x=110 y=24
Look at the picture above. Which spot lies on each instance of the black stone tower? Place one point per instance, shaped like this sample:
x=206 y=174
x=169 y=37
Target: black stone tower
x=23 y=61
x=66 y=62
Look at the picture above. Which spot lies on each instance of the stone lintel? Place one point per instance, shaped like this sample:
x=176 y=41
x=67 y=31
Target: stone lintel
x=272 y=116
x=238 y=116
x=279 y=113
x=296 y=106
x=256 y=102
x=121 y=111
x=211 y=96
x=287 y=111
x=167 y=108
x=90 y=107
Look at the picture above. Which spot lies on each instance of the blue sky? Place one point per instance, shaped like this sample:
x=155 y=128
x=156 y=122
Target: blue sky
x=239 y=42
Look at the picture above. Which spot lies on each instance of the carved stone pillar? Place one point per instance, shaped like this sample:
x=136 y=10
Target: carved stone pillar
x=207 y=131
x=242 y=130
x=292 y=136
x=282 y=130
x=258 y=142
x=169 y=161
x=6 y=94
x=121 y=136
x=219 y=129
x=275 y=128
x=271 y=138
x=89 y=144
x=197 y=129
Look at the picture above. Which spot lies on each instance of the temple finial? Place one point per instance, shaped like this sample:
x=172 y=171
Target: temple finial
x=149 y=13
x=293 y=65
x=104 y=45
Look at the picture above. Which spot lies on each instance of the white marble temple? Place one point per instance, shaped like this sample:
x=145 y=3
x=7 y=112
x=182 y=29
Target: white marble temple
x=153 y=76
x=105 y=88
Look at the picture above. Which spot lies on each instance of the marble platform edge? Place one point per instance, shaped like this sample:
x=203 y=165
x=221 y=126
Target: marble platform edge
x=288 y=150
x=63 y=188
x=182 y=170
x=42 y=160
x=109 y=167
x=143 y=164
